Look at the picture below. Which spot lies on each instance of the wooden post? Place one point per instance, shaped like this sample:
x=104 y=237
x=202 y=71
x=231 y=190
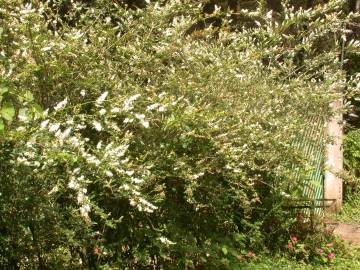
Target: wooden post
x=334 y=157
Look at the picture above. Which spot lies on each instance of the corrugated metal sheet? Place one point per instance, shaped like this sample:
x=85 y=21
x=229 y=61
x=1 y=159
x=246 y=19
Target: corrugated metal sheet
x=310 y=144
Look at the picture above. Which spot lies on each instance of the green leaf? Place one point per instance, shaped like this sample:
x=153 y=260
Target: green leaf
x=2 y=126
x=28 y=96
x=37 y=110
x=7 y=111
x=224 y=250
x=3 y=89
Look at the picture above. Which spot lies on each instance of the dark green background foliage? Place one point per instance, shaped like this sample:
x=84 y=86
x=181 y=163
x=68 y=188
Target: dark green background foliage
x=160 y=137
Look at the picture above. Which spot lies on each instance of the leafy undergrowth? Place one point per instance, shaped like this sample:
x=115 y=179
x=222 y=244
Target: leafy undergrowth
x=306 y=249
x=350 y=260
x=351 y=211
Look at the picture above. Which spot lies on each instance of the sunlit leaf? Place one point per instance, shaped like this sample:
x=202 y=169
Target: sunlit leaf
x=3 y=89
x=7 y=111
x=36 y=108
x=28 y=96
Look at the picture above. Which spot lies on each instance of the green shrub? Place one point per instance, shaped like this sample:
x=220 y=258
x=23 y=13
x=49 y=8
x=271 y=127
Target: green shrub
x=156 y=148
x=352 y=161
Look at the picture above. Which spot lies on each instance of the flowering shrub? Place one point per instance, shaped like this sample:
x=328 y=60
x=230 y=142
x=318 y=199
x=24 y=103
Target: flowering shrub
x=155 y=146
x=318 y=247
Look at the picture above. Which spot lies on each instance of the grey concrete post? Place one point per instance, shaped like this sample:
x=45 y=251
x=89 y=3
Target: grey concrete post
x=333 y=188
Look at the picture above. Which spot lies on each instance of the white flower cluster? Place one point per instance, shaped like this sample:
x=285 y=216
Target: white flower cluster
x=77 y=183
x=106 y=161
x=166 y=241
x=128 y=103
x=29 y=157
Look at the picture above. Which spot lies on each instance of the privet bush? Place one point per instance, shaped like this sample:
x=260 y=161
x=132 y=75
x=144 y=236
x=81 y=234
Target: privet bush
x=156 y=147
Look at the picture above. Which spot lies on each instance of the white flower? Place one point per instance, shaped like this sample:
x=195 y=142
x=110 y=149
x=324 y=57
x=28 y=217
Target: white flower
x=115 y=110
x=97 y=126
x=102 y=98
x=129 y=173
x=46 y=112
x=137 y=193
x=128 y=120
x=70 y=121
x=145 y=202
x=285 y=194
x=61 y=104
x=36 y=164
x=66 y=133
x=81 y=197
x=22 y=117
x=152 y=107
x=53 y=190
x=132 y=203
x=113 y=126
x=83 y=93
x=166 y=241
x=79 y=126
x=102 y=111
x=58 y=133
x=128 y=103
x=109 y=173
x=93 y=160
x=84 y=210
x=20 y=129
x=73 y=183
x=22 y=160
x=99 y=144
x=54 y=127
x=134 y=97
x=137 y=180
x=75 y=141
x=162 y=109
x=43 y=124
x=109 y=146
x=45 y=49
x=145 y=123
x=140 y=116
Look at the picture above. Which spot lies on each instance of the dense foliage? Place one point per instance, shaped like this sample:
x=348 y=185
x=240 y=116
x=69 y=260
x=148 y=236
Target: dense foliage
x=133 y=139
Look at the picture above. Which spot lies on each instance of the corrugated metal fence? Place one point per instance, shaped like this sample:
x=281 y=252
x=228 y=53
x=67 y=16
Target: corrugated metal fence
x=310 y=143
